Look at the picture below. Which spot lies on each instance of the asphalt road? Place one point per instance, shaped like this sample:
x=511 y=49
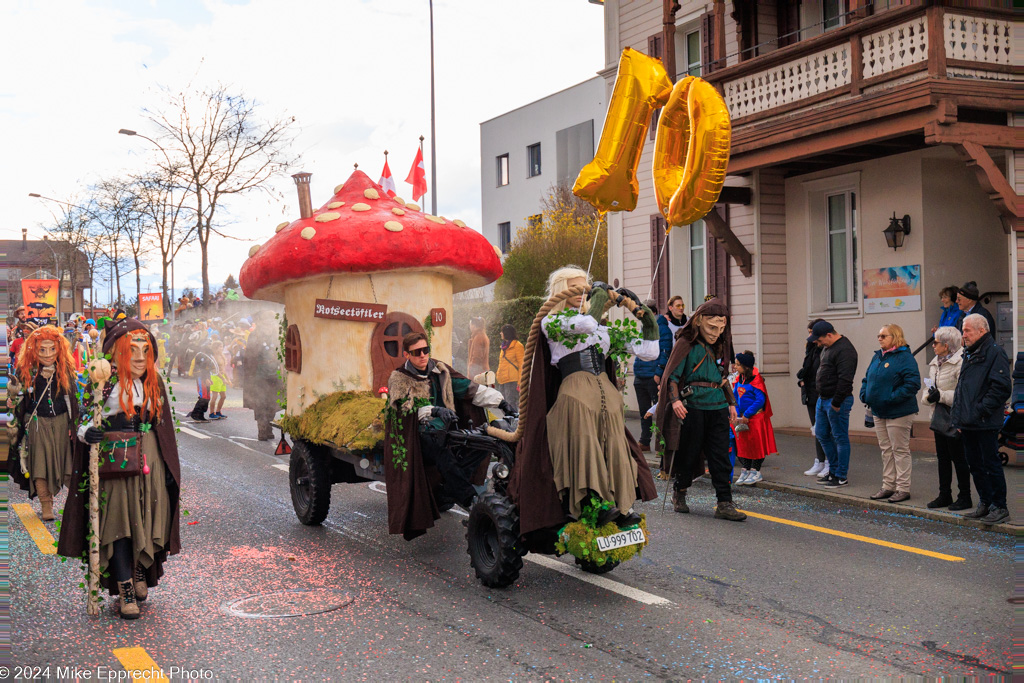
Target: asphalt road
x=708 y=599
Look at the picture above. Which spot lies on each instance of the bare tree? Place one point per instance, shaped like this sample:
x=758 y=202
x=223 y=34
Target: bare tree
x=69 y=236
x=224 y=149
x=114 y=206
x=162 y=200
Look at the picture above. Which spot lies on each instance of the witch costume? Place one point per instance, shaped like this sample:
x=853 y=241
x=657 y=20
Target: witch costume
x=139 y=517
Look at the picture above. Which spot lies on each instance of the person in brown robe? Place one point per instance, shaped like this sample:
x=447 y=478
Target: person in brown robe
x=139 y=526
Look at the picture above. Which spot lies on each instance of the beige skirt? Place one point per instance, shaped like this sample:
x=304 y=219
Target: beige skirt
x=587 y=440
x=138 y=508
x=49 y=452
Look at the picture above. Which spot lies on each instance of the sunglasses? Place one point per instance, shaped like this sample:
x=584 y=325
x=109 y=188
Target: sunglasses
x=419 y=352
x=884 y=336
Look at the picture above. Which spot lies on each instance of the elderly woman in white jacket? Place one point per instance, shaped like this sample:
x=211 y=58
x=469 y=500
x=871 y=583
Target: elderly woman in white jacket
x=944 y=371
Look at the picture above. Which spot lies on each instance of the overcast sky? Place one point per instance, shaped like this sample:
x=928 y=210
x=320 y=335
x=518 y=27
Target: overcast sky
x=355 y=74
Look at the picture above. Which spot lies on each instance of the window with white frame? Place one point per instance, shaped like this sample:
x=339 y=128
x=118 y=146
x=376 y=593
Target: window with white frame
x=688 y=50
x=841 y=223
x=502 y=170
x=698 y=263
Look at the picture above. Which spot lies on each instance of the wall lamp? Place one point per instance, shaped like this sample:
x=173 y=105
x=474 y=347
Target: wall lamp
x=898 y=229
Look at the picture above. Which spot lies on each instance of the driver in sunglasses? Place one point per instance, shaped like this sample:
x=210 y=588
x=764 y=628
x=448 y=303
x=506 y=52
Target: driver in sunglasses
x=425 y=398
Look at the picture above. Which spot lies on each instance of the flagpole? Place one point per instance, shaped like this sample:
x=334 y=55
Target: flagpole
x=433 y=135
x=421 y=158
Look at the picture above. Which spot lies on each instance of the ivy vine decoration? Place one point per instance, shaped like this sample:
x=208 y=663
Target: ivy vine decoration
x=556 y=329
x=282 y=335
x=428 y=328
x=394 y=414
x=579 y=538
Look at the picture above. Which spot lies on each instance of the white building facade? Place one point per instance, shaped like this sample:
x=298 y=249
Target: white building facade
x=526 y=151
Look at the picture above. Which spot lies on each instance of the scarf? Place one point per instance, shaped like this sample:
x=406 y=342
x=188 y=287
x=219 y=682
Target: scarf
x=678 y=322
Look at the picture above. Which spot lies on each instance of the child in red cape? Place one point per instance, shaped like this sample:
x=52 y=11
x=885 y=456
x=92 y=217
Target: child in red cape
x=755 y=437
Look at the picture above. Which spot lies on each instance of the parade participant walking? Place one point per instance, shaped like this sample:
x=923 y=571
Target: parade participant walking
x=510 y=364
x=755 y=437
x=646 y=388
x=425 y=398
x=834 y=382
x=889 y=390
x=586 y=431
x=218 y=381
x=47 y=406
x=479 y=349
x=138 y=524
x=697 y=428
x=809 y=397
x=262 y=385
x=949 y=446
x=978 y=403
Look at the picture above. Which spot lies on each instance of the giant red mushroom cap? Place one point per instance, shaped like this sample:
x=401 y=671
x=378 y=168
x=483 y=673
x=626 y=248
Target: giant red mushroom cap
x=362 y=230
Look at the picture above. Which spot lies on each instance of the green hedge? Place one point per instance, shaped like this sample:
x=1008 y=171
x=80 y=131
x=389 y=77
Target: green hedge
x=516 y=312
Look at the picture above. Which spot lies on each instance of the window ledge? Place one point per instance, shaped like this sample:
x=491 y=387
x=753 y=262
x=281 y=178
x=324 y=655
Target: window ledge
x=837 y=314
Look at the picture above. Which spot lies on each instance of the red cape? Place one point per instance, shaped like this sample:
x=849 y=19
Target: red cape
x=759 y=440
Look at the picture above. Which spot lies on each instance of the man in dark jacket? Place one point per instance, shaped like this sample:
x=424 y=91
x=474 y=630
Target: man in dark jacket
x=809 y=397
x=646 y=389
x=967 y=300
x=834 y=382
x=977 y=413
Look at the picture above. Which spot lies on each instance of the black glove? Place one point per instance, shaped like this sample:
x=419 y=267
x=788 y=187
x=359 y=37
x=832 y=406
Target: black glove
x=933 y=394
x=446 y=415
x=507 y=408
x=600 y=285
x=93 y=435
x=622 y=291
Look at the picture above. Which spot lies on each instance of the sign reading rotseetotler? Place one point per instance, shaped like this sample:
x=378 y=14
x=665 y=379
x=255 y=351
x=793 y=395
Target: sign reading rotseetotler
x=350 y=310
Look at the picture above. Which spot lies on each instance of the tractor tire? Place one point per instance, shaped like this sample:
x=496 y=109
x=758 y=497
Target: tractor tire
x=493 y=538
x=309 y=478
x=592 y=568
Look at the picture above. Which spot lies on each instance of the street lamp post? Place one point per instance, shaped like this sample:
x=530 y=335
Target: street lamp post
x=56 y=267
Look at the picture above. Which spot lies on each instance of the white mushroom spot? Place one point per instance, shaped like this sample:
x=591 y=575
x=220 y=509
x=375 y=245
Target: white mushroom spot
x=434 y=219
x=397 y=211
x=337 y=188
x=323 y=218
x=335 y=205
x=282 y=226
x=371 y=193
x=253 y=249
x=412 y=207
x=498 y=252
x=360 y=207
x=393 y=226
x=399 y=200
x=308 y=233
x=459 y=223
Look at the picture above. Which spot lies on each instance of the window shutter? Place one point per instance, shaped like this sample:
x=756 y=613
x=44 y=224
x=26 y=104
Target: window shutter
x=707 y=31
x=718 y=266
x=654 y=49
x=660 y=283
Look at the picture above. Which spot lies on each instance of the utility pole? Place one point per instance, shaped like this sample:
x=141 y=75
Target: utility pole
x=433 y=133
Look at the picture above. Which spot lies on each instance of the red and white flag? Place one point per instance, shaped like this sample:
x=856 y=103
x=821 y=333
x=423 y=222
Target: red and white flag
x=387 y=183
x=417 y=177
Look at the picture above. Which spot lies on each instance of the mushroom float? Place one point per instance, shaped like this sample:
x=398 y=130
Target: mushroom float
x=355 y=276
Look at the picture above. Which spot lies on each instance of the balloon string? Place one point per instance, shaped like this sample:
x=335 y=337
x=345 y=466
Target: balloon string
x=600 y=219
x=654 y=278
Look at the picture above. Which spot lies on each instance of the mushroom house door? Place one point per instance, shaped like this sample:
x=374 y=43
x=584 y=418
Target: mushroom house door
x=386 y=345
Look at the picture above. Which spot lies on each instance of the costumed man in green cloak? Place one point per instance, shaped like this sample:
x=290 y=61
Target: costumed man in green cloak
x=696 y=429
x=424 y=478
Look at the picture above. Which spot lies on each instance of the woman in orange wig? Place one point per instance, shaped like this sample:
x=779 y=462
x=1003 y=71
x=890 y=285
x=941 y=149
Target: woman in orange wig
x=45 y=409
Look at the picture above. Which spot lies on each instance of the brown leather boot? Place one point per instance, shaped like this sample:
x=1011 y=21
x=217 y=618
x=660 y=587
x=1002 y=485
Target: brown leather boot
x=128 y=607
x=45 y=500
x=141 y=587
x=726 y=510
x=679 y=501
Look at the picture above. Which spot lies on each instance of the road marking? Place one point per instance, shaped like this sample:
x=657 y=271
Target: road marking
x=193 y=432
x=855 y=537
x=607 y=584
x=280 y=466
x=137 y=662
x=244 y=438
x=381 y=487
x=35 y=528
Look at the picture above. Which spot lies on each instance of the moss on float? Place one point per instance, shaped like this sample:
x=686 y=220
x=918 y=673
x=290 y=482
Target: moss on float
x=347 y=419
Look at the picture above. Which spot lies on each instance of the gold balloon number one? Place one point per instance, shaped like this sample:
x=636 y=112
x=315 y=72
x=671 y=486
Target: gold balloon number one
x=691 y=150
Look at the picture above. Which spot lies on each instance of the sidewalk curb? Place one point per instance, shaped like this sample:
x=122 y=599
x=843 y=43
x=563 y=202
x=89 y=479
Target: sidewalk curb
x=947 y=517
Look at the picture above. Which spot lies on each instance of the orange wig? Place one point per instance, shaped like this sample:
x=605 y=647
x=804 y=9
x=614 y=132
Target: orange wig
x=152 y=398
x=28 y=357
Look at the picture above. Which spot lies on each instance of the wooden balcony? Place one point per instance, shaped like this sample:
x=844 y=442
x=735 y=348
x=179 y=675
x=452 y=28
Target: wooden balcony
x=903 y=78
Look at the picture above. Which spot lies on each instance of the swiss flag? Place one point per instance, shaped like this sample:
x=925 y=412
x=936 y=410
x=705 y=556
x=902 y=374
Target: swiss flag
x=417 y=177
x=387 y=183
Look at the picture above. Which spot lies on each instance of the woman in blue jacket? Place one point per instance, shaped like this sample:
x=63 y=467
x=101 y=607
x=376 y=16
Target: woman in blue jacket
x=889 y=390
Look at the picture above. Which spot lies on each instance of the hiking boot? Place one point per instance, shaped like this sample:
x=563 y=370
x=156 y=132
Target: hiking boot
x=679 y=502
x=128 y=607
x=726 y=510
x=141 y=587
x=45 y=500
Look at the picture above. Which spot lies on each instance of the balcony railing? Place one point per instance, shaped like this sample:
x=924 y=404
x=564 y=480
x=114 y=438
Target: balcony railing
x=947 y=42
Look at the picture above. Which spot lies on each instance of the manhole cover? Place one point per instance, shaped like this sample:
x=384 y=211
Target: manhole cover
x=284 y=604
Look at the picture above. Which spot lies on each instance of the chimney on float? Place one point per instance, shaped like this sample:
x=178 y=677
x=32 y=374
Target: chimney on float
x=305 y=202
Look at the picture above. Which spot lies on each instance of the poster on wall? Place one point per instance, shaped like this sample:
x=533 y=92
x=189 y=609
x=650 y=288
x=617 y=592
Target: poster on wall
x=892 y=290
x=40 y=297
x=151 y=307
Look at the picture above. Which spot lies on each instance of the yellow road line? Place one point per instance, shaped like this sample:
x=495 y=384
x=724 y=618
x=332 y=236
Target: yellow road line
x=35 y=528
x=855 y=537
x=137 y=661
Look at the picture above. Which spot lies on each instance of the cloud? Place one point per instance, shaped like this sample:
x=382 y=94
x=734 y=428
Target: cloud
x=354 y=74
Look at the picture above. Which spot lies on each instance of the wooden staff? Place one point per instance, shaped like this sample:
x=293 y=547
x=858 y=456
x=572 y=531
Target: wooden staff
x=99 y=373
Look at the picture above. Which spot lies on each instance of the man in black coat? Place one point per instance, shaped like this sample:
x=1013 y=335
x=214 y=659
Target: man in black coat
x=977 y=413
x=968 y=301
x=834 y=382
